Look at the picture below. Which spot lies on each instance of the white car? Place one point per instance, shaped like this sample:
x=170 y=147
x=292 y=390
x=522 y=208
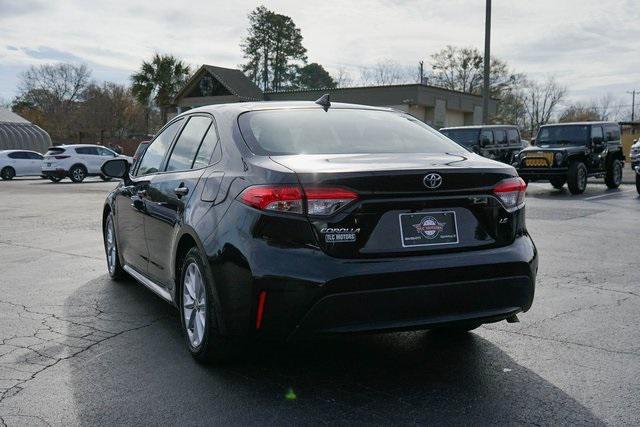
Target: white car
x=634 y=154
x=77 y=161
x=19 y=163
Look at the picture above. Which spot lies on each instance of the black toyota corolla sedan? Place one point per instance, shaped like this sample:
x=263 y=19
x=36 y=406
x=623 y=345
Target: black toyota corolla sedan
x=294 y=219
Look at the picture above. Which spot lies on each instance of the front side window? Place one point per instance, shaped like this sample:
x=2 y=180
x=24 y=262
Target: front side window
x=34 y=156
x=153 y=156
x=513 y=137
x=596 y=133
x=186 y=147
x=340 y=131
x=613 y=133
x=106 y=152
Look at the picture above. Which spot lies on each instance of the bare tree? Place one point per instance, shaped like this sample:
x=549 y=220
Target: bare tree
x=343 y=78
x=49 y=94
x=541 y=101
x=602 y=108
x=386 y=73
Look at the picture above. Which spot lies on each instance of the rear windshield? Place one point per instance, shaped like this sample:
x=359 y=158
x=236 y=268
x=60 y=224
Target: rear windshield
x=54 y=151
x=563 y=135
x=340 y=131
x=466 y=137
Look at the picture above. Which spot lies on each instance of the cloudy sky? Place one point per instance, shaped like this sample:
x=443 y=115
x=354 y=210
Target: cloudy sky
x=591 y=46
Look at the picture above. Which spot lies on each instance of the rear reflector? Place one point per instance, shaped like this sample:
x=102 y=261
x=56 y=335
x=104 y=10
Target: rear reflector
x=511 y=193
x=292 y=199
x=262 y=298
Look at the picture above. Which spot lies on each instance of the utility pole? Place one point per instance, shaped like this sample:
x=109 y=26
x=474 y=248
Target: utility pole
x=421 y=81
x=633 y=104
x=487 y=64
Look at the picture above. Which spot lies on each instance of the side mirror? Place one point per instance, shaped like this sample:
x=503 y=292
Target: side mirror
x=115 y=168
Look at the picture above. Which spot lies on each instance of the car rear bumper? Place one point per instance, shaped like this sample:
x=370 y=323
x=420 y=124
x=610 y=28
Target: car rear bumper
x=55 y=173
x=317 y=294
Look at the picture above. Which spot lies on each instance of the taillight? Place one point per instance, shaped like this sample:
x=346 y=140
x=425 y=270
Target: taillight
x=61 y=157
x=292 y=199
x=511 y=193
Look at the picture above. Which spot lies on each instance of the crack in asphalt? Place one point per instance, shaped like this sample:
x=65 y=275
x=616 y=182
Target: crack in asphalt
x=48 y=345
x=55 y=251
x=558 y=340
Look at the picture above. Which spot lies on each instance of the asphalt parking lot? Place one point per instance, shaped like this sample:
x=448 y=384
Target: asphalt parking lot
x=77 y=348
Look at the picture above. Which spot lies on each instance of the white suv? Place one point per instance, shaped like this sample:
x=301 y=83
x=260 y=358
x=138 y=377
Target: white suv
x=76 y=161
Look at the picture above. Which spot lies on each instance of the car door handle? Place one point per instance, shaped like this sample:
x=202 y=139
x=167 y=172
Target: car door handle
x=181 y=191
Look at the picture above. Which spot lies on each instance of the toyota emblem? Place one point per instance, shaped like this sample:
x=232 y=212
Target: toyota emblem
x=432 y=180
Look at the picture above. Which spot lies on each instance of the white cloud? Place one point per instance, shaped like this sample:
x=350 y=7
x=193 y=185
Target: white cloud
x=589 y=45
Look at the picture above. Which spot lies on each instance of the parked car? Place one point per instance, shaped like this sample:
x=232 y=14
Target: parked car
x=283 y=220
x=142 y=147
x=634 y=154
x=572 y=152
x=77 y=162
x=497 y=142
x=19 y=163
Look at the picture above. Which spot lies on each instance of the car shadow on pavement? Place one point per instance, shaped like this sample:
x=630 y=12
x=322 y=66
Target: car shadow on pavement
x=139 y=371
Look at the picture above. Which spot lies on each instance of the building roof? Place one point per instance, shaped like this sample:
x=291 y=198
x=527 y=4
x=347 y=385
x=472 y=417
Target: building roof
x=7 y=116
x=232 y=79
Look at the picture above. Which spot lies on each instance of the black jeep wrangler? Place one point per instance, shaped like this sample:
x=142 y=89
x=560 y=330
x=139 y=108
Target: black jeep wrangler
x=572 y=152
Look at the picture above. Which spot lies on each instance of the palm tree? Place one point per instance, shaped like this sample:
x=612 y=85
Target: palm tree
x=159 y=81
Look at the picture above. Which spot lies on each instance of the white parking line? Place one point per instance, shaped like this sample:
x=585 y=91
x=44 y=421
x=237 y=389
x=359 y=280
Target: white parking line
x=608 y=194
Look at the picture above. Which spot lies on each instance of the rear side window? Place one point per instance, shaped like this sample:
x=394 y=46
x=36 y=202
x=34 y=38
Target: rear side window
x=153 y=156
x=513 y=137
x=92 y=151
x=206 y=149
x=55 y=151
x=340 y=131
x=186 y=147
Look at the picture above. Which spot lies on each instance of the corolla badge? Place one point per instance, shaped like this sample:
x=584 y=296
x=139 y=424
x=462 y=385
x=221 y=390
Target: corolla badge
x=429 y=227
x=432 y=180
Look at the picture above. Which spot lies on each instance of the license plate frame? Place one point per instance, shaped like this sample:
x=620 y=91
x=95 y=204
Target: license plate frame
x=430 y=228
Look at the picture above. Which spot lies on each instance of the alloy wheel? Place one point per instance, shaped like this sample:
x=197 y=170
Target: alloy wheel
x=78 y=174
x=582 y=178
x=617 y=173
x=110 y=246
x=194 y=304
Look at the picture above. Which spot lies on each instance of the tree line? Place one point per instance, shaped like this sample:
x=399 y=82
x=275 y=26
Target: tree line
x=63 y=99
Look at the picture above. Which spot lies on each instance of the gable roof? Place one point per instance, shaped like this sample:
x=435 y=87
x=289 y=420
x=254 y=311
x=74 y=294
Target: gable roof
x=232 y=79
x=7 y=116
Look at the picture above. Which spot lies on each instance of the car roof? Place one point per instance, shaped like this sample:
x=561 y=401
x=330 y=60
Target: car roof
x=77 y=145
x=480 y=127
x=581 y=123
x=241 y=107
x=14 y=151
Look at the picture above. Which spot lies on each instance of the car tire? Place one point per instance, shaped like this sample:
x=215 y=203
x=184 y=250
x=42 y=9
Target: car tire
x=558 y=182
x=111 y=250
x=7 y=173
x=613 y=178
x=200 y=329
x=105 y=178
x=54 y=178
x=77 y=173
x=577 y=178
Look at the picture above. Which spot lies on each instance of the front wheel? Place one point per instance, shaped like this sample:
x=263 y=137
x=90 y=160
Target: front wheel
x=198 y=312
x=613 y=178
x=7 y=173
x=577 y=178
